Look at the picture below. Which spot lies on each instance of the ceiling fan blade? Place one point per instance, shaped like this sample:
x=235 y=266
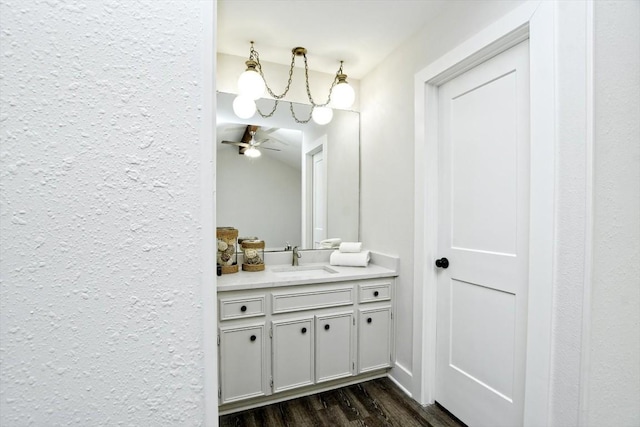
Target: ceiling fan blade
x=257 y=143
x=279 y=141
x=272 y=149
x=239 y=144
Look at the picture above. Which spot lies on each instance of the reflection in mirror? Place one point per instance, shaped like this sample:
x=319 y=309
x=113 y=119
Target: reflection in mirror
x=303 y=187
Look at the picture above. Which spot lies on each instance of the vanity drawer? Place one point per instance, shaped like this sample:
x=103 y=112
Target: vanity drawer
x=238 y=308
x=372 y=292
x=285 y=302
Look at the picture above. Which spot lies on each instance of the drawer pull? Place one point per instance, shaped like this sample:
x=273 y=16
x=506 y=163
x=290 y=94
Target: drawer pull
x=376 y=293
x=369 y=320
x=326 y=327
x=304 y=330
x=253 y=338
x=243 y=308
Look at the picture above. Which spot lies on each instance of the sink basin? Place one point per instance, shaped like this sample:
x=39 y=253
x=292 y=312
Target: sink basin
x=305 y=270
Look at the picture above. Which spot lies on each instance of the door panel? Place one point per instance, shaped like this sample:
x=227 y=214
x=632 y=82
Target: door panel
x=483 y=232
x=479 y=184
x=334 y=339
x=482 y=332
x=242 y=363
x=292 y=348
x=374 y=343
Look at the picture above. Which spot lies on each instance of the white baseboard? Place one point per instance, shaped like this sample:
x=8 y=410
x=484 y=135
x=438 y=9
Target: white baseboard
x=402 y=377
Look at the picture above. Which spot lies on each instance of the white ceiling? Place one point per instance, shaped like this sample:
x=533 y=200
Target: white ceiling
x=359 y=32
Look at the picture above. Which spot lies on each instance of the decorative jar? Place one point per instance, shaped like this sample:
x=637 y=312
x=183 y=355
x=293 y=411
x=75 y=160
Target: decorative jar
x=253 y=255
x=227 y=245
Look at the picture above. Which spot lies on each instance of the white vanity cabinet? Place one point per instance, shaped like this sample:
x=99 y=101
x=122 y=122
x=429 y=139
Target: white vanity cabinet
x=287 y=341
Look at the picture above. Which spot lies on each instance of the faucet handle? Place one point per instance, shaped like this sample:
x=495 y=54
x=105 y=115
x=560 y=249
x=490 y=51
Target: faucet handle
x=287 y=247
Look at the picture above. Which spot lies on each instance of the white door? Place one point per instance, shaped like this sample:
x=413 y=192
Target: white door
x=319 y=208
x=483 y=233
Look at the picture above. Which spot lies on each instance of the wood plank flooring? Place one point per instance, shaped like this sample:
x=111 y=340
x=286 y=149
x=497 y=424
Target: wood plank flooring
x=373 y=403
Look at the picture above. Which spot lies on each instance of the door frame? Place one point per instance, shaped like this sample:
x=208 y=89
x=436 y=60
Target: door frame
x=535 y=21
x=307 y=190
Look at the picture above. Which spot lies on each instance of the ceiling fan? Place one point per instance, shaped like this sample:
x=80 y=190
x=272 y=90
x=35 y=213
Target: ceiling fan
x=248 y=144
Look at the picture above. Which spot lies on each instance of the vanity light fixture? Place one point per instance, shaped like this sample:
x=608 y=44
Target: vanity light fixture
x=252 y=86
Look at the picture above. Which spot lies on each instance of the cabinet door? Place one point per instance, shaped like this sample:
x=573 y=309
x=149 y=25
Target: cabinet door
x=334 y=337
x=292 y=354
x=374 y=339
x=242 y=363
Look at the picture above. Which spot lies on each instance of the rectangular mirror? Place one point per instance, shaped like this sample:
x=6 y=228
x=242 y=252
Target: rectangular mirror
x=304 y=187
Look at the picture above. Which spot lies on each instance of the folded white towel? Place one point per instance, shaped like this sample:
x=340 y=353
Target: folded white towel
x=350 y=247
x=360 y=259
x=330 y=243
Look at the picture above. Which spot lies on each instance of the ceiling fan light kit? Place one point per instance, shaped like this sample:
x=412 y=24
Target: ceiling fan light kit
x=252 y=152
x=248 y=145
x=252 y=86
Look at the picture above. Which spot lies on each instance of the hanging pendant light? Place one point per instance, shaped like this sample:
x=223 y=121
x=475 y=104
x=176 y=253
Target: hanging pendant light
x=252 y=85
x=244 y=106
x=322 y=115
x=343 y=94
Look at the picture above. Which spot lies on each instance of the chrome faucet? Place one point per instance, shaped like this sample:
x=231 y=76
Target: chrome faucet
x=296 y=255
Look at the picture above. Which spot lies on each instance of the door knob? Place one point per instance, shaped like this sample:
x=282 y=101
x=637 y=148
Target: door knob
x=442 y=263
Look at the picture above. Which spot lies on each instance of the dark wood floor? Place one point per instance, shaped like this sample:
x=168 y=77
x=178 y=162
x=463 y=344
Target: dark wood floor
x=373 y=403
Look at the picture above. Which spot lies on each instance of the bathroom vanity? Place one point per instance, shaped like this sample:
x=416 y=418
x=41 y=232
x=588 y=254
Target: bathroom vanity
x=292 y=331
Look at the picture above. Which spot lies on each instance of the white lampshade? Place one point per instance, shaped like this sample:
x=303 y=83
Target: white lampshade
x=252 y=152
x=342 y=95
x=251 y=84
x=244 y=107
x=322 y=115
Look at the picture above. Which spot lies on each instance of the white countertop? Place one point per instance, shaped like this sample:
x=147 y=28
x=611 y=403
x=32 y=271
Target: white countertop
x=380 y=266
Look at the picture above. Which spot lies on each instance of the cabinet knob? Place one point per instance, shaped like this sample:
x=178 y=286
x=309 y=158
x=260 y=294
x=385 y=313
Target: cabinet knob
x=304 y=330
x=243 y=308
x=253 y=338
x=326 y=327
x=369 y=320
x=376 y=293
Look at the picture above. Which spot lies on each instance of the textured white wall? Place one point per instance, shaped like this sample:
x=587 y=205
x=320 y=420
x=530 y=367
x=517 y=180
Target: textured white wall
x=387 y=145
x=614 y=377
x=100 y=298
